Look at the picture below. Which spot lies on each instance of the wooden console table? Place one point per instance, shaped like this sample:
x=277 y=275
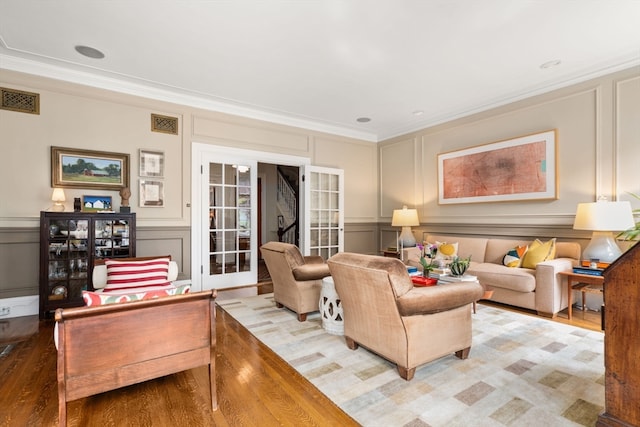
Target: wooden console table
x=581 y=282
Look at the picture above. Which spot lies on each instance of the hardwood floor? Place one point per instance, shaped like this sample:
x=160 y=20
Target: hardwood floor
x=255 y=386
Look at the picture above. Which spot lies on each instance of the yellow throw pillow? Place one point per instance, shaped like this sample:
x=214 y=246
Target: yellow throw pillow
x=539 y=252
x=446 y=251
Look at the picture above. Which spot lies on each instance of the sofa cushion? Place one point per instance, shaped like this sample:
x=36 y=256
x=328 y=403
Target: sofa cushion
x=515 y=279
x=538 y=252
x=137 y=276
x=513 y=258
x=102 y=298
x=434 y=299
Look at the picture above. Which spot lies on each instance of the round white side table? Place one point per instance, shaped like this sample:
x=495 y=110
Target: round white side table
x=330 y=308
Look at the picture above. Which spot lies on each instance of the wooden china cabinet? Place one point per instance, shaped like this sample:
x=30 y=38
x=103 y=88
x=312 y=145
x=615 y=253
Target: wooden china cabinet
x=622 y=341
x=70 y=242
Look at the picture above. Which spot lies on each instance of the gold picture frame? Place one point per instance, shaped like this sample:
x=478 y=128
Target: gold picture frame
x=75 y=168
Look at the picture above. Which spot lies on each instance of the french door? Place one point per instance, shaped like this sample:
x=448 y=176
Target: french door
x=224 y=229
x=323 y=207
x=229 y=221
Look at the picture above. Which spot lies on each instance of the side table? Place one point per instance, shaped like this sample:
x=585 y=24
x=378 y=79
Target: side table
x=391 y=254
x=330 y=308
x=581 y=282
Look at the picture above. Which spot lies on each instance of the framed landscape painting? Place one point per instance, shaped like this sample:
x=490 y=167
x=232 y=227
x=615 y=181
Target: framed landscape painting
x=522 y=168
x=76 y=168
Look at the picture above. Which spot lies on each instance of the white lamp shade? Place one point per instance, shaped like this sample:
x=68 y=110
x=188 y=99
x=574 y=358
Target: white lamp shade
x=58 y=195
x=405 y=218
x=604 y=216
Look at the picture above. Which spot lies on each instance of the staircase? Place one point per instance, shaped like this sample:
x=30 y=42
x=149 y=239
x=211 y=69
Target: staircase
x=287 y=205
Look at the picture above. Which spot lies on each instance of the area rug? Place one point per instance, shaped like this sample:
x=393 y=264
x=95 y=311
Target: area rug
x=522 y=371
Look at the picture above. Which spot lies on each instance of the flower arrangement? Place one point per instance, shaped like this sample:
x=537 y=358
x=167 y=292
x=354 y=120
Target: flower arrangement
x=427 y=266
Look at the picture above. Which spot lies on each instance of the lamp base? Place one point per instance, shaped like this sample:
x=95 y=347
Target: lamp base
x=57 y=207
x=407 y=240
x=602 y=247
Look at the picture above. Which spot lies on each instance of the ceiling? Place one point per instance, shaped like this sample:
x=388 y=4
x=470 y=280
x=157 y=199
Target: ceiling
x=322 y=64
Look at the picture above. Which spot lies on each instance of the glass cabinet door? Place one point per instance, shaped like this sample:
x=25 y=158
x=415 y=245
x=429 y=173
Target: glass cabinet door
x=111 y=238
x=68 y=260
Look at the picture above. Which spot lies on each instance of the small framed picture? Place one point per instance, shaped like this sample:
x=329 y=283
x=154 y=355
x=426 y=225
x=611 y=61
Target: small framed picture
x=151 y=194
x=151 y=163
x=96 y=203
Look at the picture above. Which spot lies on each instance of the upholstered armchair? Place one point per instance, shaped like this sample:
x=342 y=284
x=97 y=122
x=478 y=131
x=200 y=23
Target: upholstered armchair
x=406 y=325
x=297 y=279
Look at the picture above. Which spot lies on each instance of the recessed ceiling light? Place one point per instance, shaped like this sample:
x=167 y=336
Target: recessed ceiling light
x=89 y=52
x=363 y=119
x=551 y=64
x=418 y=113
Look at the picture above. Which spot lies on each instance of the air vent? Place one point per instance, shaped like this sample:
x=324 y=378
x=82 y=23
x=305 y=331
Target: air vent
x=164 y=124
x=17 y=100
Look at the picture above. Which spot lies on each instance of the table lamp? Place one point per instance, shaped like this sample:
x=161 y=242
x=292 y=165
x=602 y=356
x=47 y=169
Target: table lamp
x=58 y=197
x=405 y=218
x=603 y=217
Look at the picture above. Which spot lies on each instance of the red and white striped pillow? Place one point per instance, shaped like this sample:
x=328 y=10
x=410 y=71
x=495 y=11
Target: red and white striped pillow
x=137 y=276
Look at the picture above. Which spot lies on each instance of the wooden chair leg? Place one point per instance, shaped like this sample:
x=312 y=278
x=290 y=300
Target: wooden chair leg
x=464 y=353
x=279 y=305
x=351 y=343
x=405 y=373
x=302 y=317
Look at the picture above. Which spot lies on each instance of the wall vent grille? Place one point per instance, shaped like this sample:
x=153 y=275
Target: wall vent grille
x=164 y=124
x=17 y=100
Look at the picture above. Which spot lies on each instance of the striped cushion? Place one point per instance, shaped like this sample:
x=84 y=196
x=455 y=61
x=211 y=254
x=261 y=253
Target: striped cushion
x=137 y=276
x=102 y=298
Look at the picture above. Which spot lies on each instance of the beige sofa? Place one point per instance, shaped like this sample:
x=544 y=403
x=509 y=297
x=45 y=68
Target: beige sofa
x=541 y=289
x=406 y=325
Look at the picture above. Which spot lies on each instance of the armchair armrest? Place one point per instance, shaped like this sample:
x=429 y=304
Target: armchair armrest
x=313 y=259
x=411 y=256
x=311 y=272
x=434 y=299
x=549 y=286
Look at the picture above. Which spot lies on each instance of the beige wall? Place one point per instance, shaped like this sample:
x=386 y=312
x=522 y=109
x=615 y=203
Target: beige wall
x=598 y=140
x=598 y=125
x=77 y=116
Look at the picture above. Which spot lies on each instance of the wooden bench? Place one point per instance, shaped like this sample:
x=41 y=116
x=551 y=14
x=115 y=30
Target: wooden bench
x=106 y=347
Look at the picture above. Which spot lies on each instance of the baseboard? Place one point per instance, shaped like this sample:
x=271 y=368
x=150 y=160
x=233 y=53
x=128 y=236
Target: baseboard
x=19 y=306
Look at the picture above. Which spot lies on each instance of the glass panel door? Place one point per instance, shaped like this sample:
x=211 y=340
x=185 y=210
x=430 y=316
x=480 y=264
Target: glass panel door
x=230 y=223
x=324 y=211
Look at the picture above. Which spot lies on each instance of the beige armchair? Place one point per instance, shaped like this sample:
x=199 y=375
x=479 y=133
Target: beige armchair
x=406 y=325
x=297 y=279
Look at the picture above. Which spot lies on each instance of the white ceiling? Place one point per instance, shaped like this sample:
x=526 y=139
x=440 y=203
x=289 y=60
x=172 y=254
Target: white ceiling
x=321 y=64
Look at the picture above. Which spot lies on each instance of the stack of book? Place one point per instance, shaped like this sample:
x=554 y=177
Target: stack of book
x=463 y=278
x=437 y=273
x=413 y=271
x=588 y=270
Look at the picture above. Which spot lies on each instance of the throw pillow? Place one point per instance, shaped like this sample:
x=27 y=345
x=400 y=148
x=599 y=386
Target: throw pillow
x=446 y=251
x=539 y=252
x=514 y=257
x=137 y=276
x=102 y=298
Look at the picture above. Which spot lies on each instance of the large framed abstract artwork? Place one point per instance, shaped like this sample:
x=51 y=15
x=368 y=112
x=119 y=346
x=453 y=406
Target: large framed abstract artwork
x=522 y=168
